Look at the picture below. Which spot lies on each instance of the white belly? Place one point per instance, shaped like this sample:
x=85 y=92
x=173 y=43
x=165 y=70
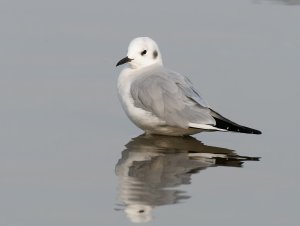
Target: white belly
x=144 y=119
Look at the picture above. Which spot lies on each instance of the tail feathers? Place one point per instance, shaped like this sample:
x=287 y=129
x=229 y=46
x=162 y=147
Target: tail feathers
x=226 y=124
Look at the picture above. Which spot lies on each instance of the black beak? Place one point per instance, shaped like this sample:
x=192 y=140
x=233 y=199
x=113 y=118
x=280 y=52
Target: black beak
x=123 y=61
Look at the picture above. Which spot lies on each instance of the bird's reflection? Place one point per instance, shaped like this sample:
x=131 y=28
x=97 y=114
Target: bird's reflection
x=152 y=166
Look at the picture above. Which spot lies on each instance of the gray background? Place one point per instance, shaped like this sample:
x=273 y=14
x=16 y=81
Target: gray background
x=63 y=130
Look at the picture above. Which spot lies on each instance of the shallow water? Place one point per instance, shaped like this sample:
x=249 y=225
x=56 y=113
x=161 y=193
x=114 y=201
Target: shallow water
x=70 y=156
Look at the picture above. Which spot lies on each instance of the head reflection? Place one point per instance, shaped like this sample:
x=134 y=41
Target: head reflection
x=152 y=166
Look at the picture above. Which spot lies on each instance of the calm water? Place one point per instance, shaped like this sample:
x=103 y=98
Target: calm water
x=70 y=156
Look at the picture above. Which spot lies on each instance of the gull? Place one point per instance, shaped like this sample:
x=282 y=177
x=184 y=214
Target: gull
x=161 y=101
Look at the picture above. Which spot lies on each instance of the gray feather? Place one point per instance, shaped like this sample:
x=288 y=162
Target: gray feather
x=171 y=97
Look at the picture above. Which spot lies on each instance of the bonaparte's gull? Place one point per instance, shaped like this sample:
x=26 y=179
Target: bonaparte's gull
x=161 y=101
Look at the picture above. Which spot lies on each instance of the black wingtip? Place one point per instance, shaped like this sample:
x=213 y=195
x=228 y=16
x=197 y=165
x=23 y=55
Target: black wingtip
x=243 y=129
x=233 y=127
x=226 y=124
x=256 y=132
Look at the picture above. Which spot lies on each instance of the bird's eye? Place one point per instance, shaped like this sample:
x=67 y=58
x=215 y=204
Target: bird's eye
x=143 y=52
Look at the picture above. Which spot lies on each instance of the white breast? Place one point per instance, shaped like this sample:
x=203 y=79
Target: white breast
x=143 y=119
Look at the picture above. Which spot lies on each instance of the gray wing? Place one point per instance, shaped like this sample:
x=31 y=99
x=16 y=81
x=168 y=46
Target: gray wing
x=171 y=97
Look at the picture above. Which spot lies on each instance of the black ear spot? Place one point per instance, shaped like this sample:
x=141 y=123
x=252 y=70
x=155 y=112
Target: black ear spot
x=155 y=54
x=143 y=52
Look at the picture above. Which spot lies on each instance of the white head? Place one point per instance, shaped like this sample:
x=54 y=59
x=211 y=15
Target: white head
x=142 y=52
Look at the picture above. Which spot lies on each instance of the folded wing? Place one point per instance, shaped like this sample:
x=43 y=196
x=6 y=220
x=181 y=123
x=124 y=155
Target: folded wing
x=171 y=97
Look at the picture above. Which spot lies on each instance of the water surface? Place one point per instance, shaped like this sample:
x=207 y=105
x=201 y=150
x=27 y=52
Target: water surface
x=70 y=156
